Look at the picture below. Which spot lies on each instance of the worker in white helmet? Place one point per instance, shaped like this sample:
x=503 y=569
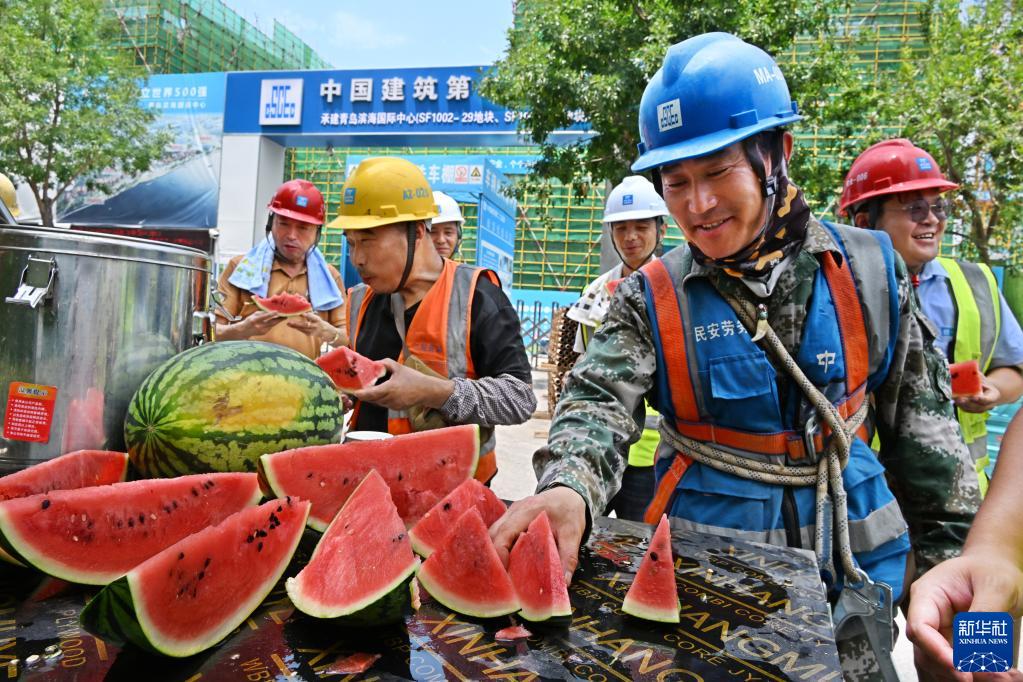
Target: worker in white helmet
x=634 y=216
x=447 y=226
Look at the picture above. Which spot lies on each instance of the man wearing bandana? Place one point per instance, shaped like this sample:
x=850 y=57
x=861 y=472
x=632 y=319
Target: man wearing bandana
x=763 y=344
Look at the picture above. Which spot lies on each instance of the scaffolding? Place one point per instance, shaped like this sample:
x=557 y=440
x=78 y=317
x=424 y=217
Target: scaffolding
x=196 y=36
x=557 y=244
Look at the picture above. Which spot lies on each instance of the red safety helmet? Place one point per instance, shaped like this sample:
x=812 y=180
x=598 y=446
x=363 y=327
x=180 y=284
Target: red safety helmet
x=298 y=199
x=891 y=167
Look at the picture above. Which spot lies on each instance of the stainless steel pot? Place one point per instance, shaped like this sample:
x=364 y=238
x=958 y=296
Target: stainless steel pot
x=84 y=318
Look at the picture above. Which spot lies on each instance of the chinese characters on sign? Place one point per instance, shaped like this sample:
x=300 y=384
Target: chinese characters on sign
x=192 y=98
x=29 y=412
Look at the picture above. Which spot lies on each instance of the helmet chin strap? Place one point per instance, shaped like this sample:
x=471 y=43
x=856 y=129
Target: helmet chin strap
x=410 y=239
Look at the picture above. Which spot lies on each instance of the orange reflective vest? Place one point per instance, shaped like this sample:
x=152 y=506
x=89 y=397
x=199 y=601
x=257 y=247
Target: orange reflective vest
x=439 y=336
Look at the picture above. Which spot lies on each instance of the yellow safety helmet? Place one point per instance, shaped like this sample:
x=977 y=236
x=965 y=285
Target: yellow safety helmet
x=8 y=196
x=384 y=190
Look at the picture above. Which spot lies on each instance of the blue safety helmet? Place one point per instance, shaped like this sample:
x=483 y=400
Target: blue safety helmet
x=713 y=90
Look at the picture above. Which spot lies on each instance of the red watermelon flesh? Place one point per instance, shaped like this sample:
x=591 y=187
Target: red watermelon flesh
x=284 y=304
x=349 y=370
x=429 y=533
x=653 y=594
x=466 y=575
x=192 y=594
x=95 y=535
x=78 y=469
x=966 y=379
x=419 y=468
x=363 y=556
x=535 y=570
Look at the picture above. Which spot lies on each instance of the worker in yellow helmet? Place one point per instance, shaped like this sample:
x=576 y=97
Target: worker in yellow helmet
x=447 y=334
x=8 y=195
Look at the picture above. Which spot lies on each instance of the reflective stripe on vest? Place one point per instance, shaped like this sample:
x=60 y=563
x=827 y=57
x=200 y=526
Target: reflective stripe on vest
x=978 y=322
x=440 y=337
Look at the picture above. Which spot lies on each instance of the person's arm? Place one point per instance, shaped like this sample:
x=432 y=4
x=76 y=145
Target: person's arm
x=1004 y=381
x=581 y=466
x=987 y=577
x=922 y=448
x=503 y=391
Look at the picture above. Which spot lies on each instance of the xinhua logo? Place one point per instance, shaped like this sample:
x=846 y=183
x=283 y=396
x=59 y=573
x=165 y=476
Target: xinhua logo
x=982 y=642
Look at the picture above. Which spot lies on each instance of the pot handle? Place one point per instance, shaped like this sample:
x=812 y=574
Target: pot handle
x=36 y=282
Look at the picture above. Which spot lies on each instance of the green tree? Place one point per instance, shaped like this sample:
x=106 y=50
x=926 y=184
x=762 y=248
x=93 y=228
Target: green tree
x=962 y=101
x=596 y=56
x=68 y=100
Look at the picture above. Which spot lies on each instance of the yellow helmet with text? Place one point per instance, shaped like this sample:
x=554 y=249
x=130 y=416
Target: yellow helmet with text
x=384 y=190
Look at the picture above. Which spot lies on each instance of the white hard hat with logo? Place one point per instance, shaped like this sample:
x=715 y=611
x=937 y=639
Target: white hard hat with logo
x=634 y=199
x=450 y=211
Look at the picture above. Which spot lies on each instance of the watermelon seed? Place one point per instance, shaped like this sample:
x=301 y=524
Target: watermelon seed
x=131 y=523
x=309 y=475
x=205 y=565
x=261 y=533
x=653 y=555
x=248 y=539
x=142 y=519
x=46 y=503
x=174 y=503
x=344 y=481
x=195 y=493
x=202 y=574
x=259 y=547
x=167 y=509
x=280 y=508
x=447 y=506
x=181 y=555
x=399 y=475
x=120 y=523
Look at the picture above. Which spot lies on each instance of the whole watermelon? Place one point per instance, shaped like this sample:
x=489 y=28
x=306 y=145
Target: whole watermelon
x=219 y=406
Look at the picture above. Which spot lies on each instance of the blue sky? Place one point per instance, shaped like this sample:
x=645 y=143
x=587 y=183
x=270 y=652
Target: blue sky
x=354 y=34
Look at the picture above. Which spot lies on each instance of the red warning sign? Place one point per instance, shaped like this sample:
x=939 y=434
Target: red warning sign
x=29 y=412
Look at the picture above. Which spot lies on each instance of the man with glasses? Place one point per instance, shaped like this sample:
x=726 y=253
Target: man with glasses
x=897 y=187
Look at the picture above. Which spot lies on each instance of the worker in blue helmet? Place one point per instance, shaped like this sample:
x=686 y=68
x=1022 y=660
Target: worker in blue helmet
x=763 y=343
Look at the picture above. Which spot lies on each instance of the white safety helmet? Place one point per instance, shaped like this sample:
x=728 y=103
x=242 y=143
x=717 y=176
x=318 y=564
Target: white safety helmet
x=634 y=199
x=450 y=212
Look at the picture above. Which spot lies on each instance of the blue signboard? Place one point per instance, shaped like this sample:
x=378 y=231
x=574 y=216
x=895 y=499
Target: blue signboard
x=198 y=93
x=495 y=232
x=373 y=106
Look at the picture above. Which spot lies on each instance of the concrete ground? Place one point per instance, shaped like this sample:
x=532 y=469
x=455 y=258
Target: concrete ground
x=515 y=479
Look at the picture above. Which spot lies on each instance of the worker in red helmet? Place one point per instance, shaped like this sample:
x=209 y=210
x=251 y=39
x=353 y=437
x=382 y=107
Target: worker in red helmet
x=287 y=261
x=898 y=187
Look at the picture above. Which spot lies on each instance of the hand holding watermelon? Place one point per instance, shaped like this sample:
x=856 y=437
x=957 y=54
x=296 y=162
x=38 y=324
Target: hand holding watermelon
x=567 y=513
x=315 y=326
x=405 y=388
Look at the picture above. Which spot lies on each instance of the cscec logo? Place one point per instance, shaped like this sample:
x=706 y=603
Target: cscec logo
x=669 y=115
x=280 y=102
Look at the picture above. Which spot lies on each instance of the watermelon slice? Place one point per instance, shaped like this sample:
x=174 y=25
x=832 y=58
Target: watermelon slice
x=653 y=594
x=966 y=379
x=192 y=594
x=78 y=469
x=284 y=304
x=364 y=556
x=535 y=570
x=95 y=535
x=349 y=370
x=431 y=530
x=420 y=469
x=466 y=575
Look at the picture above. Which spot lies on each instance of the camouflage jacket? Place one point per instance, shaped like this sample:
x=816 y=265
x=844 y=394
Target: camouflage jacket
x=929 y=468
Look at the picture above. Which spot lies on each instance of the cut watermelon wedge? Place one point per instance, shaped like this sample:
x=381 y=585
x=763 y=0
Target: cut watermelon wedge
x=429 y=533
x=535 y=570
x=363 y=557
x=966 y=379
x=191 y=595
x=654 y=594
x=466 y=575
x=79 y=469
x=95 y=535
x=420 y=469
x=350 y=371
x=283 y=304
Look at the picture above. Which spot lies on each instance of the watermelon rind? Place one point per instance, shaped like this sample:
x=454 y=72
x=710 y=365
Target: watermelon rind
x=278 y=303
x=653 y=594
x=41 y=529
x=118 y=614
x=473 y=562
x=387 y=600
x=326 y=475
x=219 y=406
x=430 y=531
